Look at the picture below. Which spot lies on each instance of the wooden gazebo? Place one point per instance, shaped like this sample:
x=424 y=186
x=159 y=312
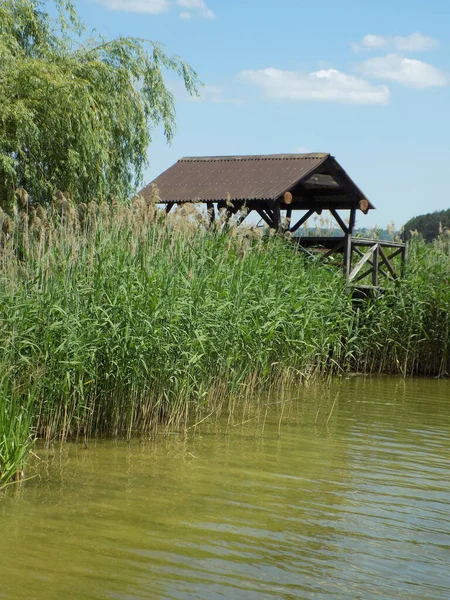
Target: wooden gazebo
x=278 y=187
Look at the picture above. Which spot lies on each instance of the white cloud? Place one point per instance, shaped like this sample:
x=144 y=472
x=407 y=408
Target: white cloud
x=154 y=7
x=416 y=42
x=369 y=42
x=325 y=85
x=198 y=7
x=408 y=71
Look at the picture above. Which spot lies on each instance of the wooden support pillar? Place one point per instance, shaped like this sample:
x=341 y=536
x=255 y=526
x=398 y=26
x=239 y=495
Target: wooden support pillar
x=276 y=212
x=348 y=231
x=376 y=255
x=404 y=257
x=347 y=255
x=352 y=221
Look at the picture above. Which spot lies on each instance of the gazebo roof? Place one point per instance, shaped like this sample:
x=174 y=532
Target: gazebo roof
x=314 y=180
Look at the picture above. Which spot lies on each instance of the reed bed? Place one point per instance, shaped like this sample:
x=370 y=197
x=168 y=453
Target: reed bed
x=117 y=320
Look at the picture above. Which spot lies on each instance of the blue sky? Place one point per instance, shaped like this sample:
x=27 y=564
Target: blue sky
x=366 y=81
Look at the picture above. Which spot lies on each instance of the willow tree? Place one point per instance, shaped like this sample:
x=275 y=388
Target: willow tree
x=77 y=115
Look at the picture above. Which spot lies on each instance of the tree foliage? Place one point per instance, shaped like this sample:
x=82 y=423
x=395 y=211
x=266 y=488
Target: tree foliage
x=77 y=115
x=429 y=225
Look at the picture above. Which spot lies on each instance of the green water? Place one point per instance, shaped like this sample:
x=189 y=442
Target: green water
x=341 y=493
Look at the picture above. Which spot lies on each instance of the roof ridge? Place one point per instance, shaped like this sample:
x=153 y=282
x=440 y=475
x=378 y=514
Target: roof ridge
x=305 y=155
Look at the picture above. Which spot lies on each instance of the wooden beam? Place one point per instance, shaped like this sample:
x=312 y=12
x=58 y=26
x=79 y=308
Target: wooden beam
x=388 y=264
x=324 y=192
x=369 y=262
x=169 y=207
x=363 y=275
x=367 y=256
x=302 y=220
x=357 y=250
x=339 y=221
x=265 y=217
x=384 y=243
x=396 y=253
x=319 y=192
x=321 y=203
x=364 y=205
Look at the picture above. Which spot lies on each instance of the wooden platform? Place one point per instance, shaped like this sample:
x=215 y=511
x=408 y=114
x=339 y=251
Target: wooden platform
x=362 y=260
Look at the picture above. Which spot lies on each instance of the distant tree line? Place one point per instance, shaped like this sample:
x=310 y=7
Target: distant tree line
x=429 y=225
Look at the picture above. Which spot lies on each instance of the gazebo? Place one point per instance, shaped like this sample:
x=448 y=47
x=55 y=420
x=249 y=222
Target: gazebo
x=278 y=187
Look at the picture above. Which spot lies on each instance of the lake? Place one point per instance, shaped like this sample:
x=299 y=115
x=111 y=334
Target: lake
x=332 y=492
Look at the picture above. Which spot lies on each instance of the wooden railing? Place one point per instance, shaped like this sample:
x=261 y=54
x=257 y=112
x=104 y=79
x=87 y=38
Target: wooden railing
x=362 y=259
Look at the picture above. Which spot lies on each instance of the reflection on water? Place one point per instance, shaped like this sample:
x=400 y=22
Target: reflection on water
x=343 y=493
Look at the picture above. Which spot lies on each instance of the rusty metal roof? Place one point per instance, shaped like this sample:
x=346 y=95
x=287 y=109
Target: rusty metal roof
x=199 y=179
x=240 y=178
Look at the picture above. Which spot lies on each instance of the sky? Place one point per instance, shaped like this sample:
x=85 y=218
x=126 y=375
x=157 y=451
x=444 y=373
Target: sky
x=366 y=81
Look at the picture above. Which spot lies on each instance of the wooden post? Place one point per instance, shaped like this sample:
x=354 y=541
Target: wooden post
x=348 y=239
x=404 y=257
x=352 y=221
x=276 y=215
x=375 y=267
x=347 y=255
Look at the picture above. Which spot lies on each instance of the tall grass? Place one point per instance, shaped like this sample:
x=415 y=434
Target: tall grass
x=119 y=320
x=16 y=433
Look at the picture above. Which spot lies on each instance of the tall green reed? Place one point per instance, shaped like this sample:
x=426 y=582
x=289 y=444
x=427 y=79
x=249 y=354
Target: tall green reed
x=120 y=320
x=16 y=432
